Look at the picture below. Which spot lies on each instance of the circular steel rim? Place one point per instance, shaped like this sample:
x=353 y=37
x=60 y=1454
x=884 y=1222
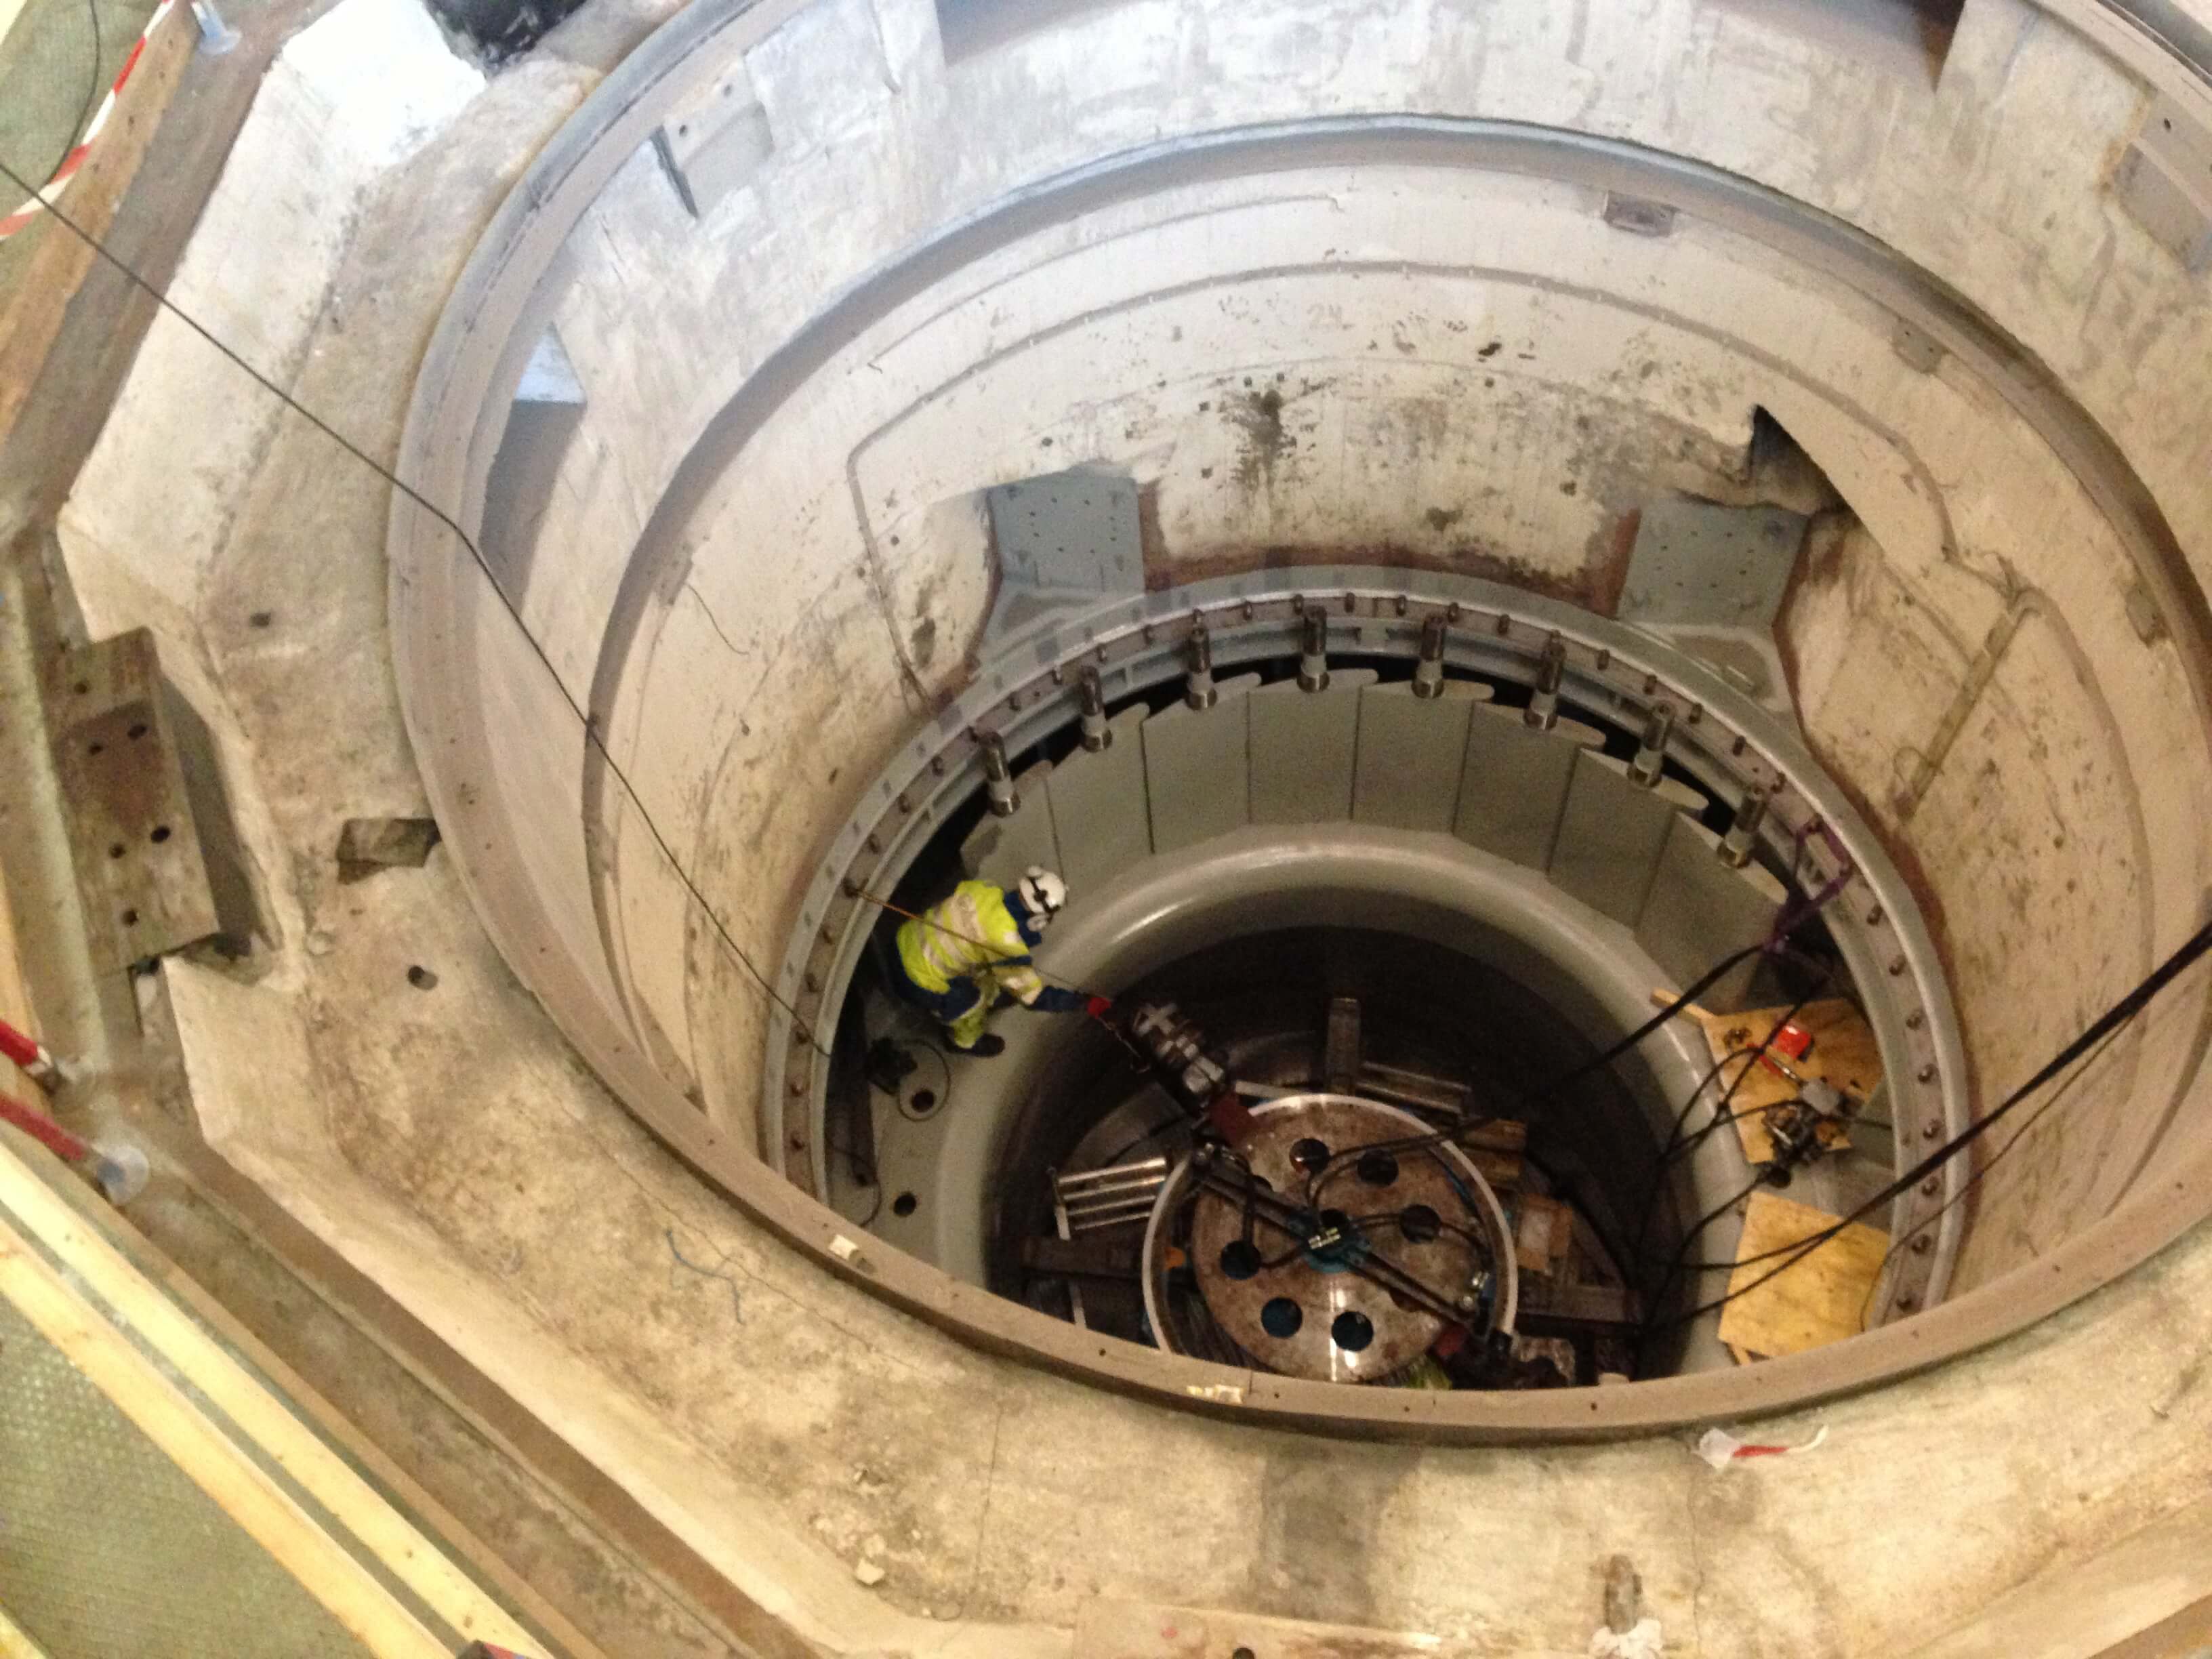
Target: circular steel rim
x=1508 y=1303
x=462 y=376
x=1613 y=672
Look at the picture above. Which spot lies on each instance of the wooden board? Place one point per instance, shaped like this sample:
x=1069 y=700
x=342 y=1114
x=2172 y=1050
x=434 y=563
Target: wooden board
x=1843 y=1052
x=15 y=1007
x=1544 y=1230
x=355 y=1596
x=1819 y=1299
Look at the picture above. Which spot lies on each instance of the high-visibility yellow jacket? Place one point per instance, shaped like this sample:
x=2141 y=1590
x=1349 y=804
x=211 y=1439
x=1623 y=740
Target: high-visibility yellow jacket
x=972 y=935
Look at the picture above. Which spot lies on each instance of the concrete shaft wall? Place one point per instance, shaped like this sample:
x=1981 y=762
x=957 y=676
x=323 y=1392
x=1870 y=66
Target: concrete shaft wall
x=760 y=561
x=757 y=606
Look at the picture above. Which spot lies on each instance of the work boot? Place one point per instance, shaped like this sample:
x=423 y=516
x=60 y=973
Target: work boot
x=986 y=1046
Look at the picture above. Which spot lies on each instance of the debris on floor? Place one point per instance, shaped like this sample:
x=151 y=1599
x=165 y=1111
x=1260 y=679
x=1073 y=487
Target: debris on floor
x=1643 y=1640
x=1626 y=1633
x=1720 y=1449
x=368 y=845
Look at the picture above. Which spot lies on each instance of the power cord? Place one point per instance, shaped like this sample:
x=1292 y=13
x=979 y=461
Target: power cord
x=589 y=725
x=2106 y=1025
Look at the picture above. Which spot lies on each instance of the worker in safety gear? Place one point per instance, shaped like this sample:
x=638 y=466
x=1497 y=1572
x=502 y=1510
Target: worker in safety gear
x=957 y=958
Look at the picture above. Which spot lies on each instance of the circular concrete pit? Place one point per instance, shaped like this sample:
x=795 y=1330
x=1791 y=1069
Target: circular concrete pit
x=1801 y=475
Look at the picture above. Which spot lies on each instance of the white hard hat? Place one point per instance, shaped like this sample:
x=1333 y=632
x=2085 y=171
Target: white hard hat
x=1043 y=893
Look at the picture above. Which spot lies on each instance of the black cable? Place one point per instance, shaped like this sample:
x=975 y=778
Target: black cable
x=590 y=726
x=1372 y=1266
x=1672 y=1146
x=1318 y=1180
x=2106 y=1024
x=1705 y=981
x=92 y=80
x=1968 y=1186
x=1721 y=1116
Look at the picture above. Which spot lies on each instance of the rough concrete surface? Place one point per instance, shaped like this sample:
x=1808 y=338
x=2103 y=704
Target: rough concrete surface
x=795 y=1429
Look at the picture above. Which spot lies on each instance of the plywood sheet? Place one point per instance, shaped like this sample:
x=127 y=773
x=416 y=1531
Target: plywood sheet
x=1131 y=1630
x=1811 y=1302
x=1843 y=1052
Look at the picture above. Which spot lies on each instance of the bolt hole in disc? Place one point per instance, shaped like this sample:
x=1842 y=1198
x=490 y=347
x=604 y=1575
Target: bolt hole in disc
x=1351 y=1331
x=1240 y=1260
x=1420 y=1223
x=1378 y=1168
x=1282 y=1317
x=1310 y=1155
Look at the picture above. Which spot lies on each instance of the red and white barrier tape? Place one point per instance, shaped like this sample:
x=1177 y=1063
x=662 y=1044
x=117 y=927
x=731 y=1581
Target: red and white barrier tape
x=32 y=1057
x=75 y=159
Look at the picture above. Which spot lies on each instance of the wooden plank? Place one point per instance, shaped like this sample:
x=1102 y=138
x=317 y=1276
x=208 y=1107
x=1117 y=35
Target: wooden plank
x=1811 y=1302
x=14 y=1641
x=1144 y=1630
x=15 y=1006
x=196 y=1358
x=1844 y=1053
x=1542 y=1233
x=160 y=1411
x=38 y=299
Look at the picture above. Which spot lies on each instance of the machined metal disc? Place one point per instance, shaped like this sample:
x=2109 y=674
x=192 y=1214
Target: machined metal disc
x=1306 y=1309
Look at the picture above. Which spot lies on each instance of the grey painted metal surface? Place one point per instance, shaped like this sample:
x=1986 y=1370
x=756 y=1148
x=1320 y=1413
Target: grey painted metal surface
x=1699 y=564
x=1198 y=769
x=1514 y=783
x=712 y=141
x=1261 y=879
x=1700 y=909
x=1725 y=741
x=1303 y=744
x=1099 y=804
x=1410 y=750
x=1064 y=538
x=1000 y=849
x=2166 y=181
x=532 y=925
x=1610 y=835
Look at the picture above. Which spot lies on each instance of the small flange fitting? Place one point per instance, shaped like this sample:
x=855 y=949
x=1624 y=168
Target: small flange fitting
x=1091 y=697
x=1743 y=834
x=1429 y=671
x=998 y=776
x=1313 y=651
x=1650 y=761
x=1543 y=711
x=1198 y=676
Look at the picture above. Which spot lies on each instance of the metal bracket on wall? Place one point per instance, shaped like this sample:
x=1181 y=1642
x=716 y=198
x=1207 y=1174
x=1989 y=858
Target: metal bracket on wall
x=2164 y=181
x=126 y=748
x=1710 y=580
x=1066 y=538
x=712 y=144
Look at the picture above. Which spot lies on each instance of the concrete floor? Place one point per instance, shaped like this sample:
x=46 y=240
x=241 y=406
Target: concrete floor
x=792 y=1427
